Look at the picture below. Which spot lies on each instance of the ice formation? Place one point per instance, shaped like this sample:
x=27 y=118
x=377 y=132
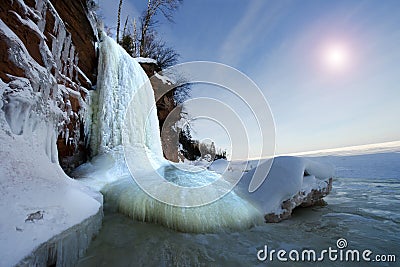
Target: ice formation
x=122 y=82
x=124 y=114
x=41 y=92
x=226 y=214
x=35 y=108
x=125 y=134
x=288 y=176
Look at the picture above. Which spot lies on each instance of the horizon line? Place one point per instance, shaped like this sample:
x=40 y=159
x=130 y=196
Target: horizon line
x=346 y=150
x=371 y=148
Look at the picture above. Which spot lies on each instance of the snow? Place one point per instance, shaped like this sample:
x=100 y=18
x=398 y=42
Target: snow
x=384 y=163
x=69 y=91
x=31 y=179
x=219 y=165
x=287 y=173
x=362 y=161
x=102 y=169
x=31 y=182
x=29 y=23
x=20 y=56
x=145 y=60
x=40 y=83
x=164 y=79
x=58 y=42
x=82 y=74
x=285 y=179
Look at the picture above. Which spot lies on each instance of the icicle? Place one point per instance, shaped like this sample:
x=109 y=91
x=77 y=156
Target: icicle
x=66 y=136
x=58 y=42
x=65 y=55
x=71 y=61
x=76 y=68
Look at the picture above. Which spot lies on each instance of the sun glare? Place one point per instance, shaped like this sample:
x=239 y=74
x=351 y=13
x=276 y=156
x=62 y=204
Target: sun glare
x=336 y=57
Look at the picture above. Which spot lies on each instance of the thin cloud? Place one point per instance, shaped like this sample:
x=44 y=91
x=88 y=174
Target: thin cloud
x=259 y=19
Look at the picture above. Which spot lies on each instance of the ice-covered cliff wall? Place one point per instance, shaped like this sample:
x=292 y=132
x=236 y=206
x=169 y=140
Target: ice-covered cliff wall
x=166 y=108
x=46 y=70
x=47 y=65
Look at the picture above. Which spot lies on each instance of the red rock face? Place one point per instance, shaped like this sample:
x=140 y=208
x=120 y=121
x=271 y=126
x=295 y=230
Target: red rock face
x=73 y=13
x=59 y=37
x=59 y=40
x=314 y=198
x=166 y=108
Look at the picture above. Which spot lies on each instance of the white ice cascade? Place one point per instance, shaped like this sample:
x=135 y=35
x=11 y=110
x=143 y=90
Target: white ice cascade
x=122 y=83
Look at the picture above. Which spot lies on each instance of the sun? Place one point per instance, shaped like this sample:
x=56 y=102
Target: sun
x=336 y=57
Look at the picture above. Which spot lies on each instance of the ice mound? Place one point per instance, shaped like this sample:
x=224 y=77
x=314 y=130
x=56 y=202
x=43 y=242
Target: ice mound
x=108 y=174
x=229 y=213
x=292 y=181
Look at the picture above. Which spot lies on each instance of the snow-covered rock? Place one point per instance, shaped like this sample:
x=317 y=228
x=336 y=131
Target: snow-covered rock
x=304 y=198
x=46 y=217
x=163 y=87
x=145 y=60
x=30 y=183
x=48 y=55
x=291 y=182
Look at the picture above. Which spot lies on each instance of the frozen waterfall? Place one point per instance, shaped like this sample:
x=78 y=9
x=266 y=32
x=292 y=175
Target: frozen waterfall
x=122 y=81
x=123 y=112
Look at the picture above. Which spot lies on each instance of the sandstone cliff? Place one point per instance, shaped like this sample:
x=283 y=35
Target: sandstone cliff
x=47 y=51
x=167 y=111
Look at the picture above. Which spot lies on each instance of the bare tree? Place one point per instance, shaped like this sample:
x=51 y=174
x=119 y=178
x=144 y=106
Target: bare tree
x=147 y=20
x=182 y=93
x=157 y=49
x=119 y=19
x=135 y=39
x=124 y=32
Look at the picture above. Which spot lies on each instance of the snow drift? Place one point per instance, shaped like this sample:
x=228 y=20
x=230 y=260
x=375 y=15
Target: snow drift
x=31 y=180
x=288 y=176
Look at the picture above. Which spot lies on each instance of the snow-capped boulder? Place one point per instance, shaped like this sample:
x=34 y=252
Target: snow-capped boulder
x=291 y=182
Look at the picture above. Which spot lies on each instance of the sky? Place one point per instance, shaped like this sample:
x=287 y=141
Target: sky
x=330 y=70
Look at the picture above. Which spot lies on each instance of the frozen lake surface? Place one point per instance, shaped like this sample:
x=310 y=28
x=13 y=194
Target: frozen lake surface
x=363 y=208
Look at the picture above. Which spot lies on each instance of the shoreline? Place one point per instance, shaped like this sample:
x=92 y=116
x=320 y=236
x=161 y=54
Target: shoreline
x=57 y=249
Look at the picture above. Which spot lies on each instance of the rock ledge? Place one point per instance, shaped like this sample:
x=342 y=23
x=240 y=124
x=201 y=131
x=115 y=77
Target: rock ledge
x=314 y=198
